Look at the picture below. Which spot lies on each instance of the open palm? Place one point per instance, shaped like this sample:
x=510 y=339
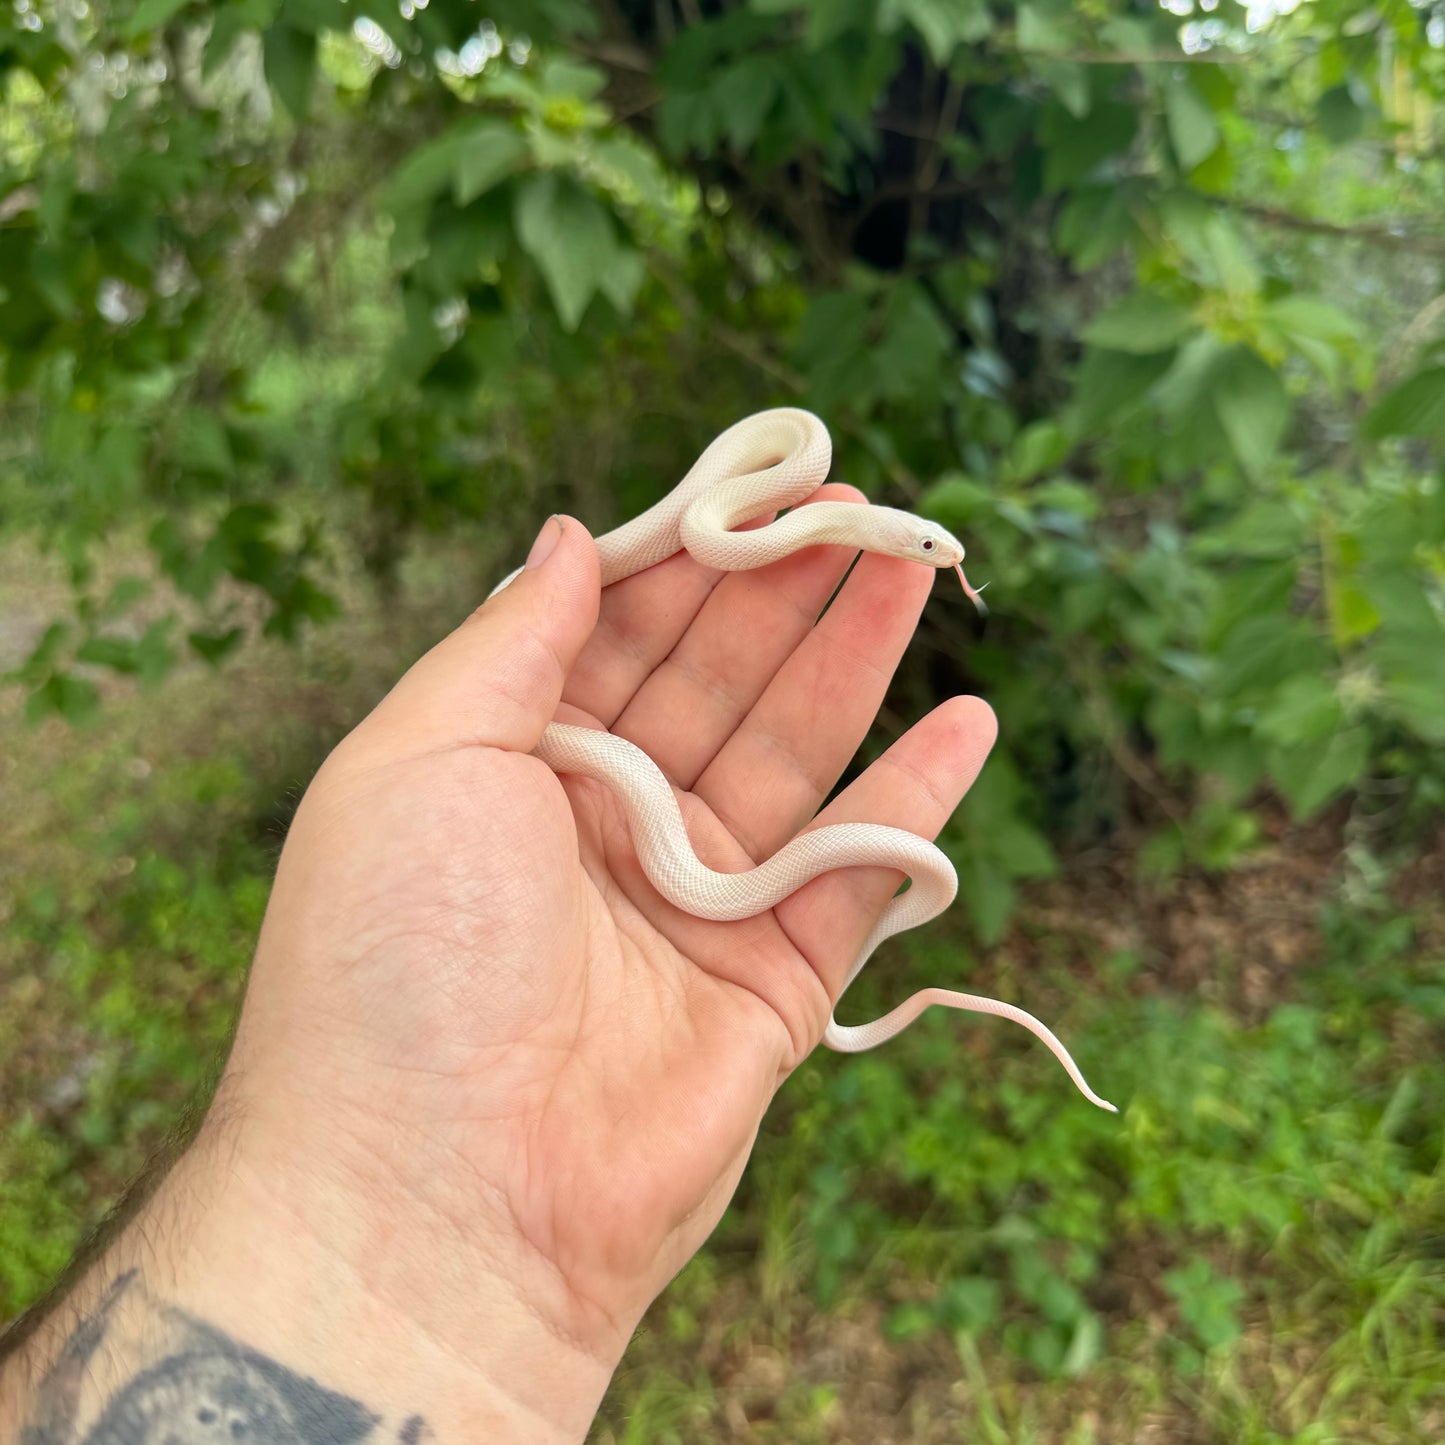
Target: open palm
x=466 y=982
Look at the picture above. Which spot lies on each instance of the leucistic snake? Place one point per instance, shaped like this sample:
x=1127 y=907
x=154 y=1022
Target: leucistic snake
x=765 y=463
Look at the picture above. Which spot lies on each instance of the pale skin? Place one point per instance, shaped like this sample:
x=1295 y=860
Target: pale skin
x=489 y=1092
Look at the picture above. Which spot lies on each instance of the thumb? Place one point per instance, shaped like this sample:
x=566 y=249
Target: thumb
x=496 y=681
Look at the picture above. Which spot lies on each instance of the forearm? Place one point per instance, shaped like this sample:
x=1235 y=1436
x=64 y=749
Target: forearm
x=222 y=1311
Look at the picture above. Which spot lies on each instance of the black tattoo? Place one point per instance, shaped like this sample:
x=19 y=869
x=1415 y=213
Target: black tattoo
x=192 y=1384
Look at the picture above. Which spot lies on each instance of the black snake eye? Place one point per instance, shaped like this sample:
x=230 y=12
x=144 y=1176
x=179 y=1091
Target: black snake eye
x=928 y=544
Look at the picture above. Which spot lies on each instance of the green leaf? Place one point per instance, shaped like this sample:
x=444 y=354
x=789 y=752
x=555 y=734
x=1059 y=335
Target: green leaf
x=1072 y=151
x=622 y=279
x=125 y=592
x=1320 y=332
x=1067 y=80
x=1306 y=710
x=1142 y=324
x=1110 y=381
x=635 y=166
x=215 y=647
x=425 y=173
x=230 y=22
x=290 y=63
x=744 y=94
x=1352 y=614
x=1252 y=406
x=561 y=76
x=116 y=653
x=485 y=156
x=1415 y=408
x=570 y=236
x=1193 y=129
x=1094 y=223
x=1215 y=246
x=1036 y=30
x=151 y=15
x=1310 y=776
x=944 y=25
x=1340 y=118
x=201 y=443
x=1037 y=449
x=315 y=16
x=74 y=698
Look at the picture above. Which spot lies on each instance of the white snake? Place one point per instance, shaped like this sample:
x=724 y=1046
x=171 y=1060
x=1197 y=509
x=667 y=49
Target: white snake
x=764 y=463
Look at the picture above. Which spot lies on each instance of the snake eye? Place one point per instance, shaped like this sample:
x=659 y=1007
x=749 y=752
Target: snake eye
x=928 y=544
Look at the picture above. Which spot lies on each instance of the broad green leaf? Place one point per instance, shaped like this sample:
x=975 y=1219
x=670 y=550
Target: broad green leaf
x=1037 y=449
x=150 y=15
x=620 y=281
x=1415 y=408
x=1108 y=383
x=1352 y=615
x=76 y=699
x=744 y=94
x=1042 y=30
x=1003 y=117
x=290 y=61
x=426 y=172
x=566 y=231
x=1252 y=405
x=1215 y=246
x=314 y=16
x=1305 y=710
x=201 y=443
x=1417 y=701
x=230 y=22
x=125 y=592
x=1068 y=81
x=1309 y=776
x=1072 y=150
x=1143 y=323
x=485 y=155
x=1094 y=223
x=571 y=77
x=637 y=166
x=1261 y=649
x=943 y=24
x=1340 y=118
x=829 y=19
x=987 y=896
x=1188 y=384
x=117 y=653
x=1312 y=316
x=1193 y=129
x=215 y=647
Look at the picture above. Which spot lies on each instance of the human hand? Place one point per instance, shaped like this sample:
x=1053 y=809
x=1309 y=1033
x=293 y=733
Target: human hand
x=489 y=1091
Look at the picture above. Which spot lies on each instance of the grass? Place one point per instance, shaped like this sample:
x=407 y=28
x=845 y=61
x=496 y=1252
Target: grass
x=936 y=1242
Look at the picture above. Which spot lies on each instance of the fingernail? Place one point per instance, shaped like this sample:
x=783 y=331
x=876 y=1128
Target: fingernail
x=547 y=539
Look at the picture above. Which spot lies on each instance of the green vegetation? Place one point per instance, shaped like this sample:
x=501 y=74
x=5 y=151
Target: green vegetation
x=312 y=307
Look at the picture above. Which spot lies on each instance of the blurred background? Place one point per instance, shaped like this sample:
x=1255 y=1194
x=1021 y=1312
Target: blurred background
x=310 y=310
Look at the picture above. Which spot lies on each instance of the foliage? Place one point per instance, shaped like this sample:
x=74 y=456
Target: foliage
x=1105 y=289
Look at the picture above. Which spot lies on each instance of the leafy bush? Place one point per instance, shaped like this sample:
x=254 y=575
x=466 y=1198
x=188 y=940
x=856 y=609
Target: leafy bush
x=1106 y=289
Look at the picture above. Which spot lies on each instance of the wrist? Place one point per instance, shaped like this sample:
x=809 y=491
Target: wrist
x=370 y=1284
x=240 y=1265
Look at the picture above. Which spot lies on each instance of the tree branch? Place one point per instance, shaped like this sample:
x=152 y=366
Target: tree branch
x=1373 y=234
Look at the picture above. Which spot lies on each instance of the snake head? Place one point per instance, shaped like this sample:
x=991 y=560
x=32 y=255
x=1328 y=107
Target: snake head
x=935 y=547
x=915 y=539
